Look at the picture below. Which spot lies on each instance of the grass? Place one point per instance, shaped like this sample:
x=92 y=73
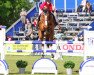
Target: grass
x=13 y=70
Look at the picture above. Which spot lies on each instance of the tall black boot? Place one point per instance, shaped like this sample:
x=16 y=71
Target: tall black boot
x=38 y=21
x=38 y=18
x=54 y=20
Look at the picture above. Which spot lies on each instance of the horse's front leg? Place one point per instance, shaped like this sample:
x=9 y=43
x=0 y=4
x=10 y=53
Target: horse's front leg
x=51 y=37
x=47 y=38
x=41 y=35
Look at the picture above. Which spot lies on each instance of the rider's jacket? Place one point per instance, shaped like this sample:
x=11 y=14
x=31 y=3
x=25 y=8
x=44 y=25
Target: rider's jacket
x=45 y=4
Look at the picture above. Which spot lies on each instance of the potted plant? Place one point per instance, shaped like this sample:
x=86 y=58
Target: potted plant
x=69 y=65
x=21 y=64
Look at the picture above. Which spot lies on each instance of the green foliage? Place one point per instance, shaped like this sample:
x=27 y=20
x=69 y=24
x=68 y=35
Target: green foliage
x=69 y=64
x=10 y=10
x=36 y=0
x=21 y=64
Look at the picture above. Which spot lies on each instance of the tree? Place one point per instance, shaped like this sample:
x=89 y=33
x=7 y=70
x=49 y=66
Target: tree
x=36 y=0
x=10 y=9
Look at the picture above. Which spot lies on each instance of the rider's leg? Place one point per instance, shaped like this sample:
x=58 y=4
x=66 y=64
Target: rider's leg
x=38 y=18
x=54 y=19
x=40 y=11
x=38 y=21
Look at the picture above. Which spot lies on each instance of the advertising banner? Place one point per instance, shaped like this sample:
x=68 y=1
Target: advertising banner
x=18 y=48
x=72 y=48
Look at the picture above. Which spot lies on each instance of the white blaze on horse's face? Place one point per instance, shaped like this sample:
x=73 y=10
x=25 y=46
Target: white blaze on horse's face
x=46 y=20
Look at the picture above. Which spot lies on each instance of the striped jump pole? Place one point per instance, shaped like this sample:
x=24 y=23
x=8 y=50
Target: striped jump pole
x=36 y=45
x=31 y=42
x=62 y=46
x=4 y=69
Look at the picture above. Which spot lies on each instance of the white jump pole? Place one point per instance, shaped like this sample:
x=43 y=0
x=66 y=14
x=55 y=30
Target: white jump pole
x=2 y=39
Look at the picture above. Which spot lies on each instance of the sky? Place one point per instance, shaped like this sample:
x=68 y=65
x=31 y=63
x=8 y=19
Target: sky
x=31 y=0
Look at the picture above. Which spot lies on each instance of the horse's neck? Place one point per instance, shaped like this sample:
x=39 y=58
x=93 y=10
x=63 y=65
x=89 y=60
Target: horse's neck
x=45 y=17
x=45 y=20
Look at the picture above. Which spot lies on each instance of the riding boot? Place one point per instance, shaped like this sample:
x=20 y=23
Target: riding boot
x=38 y=18
x=56 y=23
x=38 y=21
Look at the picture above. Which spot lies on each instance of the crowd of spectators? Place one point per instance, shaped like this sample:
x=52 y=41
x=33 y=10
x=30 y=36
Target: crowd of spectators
x=85 y=6
x=29 y=28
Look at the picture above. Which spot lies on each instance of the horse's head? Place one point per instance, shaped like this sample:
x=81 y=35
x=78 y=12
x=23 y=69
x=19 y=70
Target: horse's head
x=43 y=23
x=45 y=10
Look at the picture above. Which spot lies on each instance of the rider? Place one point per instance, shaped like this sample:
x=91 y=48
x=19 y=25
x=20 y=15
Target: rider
x=47 y=4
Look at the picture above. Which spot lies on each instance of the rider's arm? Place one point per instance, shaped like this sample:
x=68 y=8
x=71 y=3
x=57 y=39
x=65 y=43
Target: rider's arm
x=52 y=8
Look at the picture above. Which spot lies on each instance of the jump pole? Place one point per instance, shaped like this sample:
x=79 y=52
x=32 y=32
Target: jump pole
x=2 y=39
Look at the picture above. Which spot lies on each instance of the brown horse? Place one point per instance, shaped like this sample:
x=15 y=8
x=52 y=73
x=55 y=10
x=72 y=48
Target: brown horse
x=46 y=26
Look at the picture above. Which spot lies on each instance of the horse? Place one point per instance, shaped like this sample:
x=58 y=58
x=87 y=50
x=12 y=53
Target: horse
x=46 y=26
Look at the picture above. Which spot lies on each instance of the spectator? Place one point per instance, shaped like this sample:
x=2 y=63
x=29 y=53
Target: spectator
x=88 y=7
x=29 y=33
x=83 y=3
x=27 y=24
x=34 y=24
x=59 y=34
x=81 y=7
x=9 y=38
x=23 y=18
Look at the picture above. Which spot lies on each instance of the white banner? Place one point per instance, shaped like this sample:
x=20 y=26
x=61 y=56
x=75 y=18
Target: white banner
x=72 y=48
x=89 y=43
